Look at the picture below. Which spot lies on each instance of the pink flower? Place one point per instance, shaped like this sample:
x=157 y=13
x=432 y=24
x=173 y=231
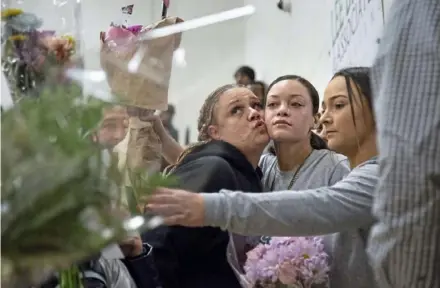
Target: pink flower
x=118 y=36
x=287 y=273
x=136 y=29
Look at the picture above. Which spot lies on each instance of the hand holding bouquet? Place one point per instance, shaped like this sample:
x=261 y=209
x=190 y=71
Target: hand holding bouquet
x=294 y=262
x=138 y=72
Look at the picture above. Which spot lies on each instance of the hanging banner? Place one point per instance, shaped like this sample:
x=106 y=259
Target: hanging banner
x=356 y=27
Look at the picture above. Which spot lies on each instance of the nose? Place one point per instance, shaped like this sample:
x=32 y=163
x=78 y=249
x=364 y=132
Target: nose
x=283 y=110
x=254 y=114
x=325 y=119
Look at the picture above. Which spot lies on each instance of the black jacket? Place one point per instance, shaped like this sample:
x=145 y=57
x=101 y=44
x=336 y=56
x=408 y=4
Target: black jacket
x=196 y=257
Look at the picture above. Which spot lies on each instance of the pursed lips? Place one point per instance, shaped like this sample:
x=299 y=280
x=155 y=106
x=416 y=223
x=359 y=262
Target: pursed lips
x=258 y=124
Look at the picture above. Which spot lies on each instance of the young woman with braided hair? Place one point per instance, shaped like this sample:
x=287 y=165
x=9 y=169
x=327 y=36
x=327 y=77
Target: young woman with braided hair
x=232 y=136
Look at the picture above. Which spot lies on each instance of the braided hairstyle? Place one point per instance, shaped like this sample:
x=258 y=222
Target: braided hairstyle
x=206 y=118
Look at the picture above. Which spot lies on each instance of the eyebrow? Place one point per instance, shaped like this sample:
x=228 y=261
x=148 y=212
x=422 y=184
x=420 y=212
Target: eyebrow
x=290 y=95
x=337 y=96
x=233 y=102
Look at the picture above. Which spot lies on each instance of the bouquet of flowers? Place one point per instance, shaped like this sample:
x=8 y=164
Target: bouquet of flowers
x=294 y=262
x=31 y=58
x=59 y=200
x=138 y=70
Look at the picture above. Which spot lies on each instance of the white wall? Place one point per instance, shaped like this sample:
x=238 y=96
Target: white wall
x=298 y=43
x=271 y=41
x=212 y=53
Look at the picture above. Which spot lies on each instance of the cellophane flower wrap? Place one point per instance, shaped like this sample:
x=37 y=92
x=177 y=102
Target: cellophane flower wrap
x=138 y=68
x=138 y=71
x=288 y=262
x=58 y=194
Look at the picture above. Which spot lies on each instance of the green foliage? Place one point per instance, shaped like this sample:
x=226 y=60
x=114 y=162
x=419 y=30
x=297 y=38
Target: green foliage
x=57 y=192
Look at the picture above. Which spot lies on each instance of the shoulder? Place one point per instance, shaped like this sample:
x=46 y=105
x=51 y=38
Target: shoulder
x=332 y=159
x=208 y=163
x=335 y=164
x=206 y=174
x=363 y=176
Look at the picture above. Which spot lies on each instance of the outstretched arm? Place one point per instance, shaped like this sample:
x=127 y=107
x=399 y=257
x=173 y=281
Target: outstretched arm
x=345 y=205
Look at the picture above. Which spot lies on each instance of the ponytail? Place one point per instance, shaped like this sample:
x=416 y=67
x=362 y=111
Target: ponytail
x=317 y=142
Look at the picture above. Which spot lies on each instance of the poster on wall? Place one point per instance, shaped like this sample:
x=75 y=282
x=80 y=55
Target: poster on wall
x=356 y=27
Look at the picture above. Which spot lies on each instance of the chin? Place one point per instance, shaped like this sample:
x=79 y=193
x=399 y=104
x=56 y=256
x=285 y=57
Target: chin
x=282 y=136
x=334 y=145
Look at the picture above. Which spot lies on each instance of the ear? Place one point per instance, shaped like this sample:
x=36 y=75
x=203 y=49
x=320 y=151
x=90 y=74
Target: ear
x=213 y=132
x=316 y=121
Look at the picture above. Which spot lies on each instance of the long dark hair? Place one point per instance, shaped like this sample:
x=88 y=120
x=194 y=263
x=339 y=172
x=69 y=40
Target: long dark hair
x=361 y=78
x=316 y=142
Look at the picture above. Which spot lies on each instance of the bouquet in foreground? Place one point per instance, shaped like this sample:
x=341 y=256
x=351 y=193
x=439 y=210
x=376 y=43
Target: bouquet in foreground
x=294 y=262
x=60 y=201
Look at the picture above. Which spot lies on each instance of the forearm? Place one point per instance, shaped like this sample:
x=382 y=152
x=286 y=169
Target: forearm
x=287 y=213
x=171 y=149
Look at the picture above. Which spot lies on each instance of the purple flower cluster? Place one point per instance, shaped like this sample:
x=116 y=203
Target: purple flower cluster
x=289 y=261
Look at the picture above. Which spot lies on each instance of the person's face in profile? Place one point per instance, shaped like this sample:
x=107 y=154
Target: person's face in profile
x=113 y=127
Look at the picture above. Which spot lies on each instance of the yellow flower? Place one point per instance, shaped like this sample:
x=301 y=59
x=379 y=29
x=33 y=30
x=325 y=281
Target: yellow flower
x=7 y=13
x=69 y=39
x=18 y=37
x=306 y=256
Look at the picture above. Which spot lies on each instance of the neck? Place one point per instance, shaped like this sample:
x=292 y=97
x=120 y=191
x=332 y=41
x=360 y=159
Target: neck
x=292 y=155
x=254 y=156
x=366 y=151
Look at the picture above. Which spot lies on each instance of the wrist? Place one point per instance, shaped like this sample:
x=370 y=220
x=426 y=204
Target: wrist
x=137 y=252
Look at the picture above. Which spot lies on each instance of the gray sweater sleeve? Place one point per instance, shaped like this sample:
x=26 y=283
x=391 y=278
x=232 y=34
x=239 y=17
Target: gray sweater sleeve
x=345 y=205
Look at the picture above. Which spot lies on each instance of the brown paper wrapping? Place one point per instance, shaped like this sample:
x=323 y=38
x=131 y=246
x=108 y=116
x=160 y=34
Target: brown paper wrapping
x=139 y=150
x=148 y=87
x=144 y=146
x=141 y=147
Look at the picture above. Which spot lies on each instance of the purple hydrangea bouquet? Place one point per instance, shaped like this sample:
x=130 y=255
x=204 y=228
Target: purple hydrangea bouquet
x=291 y=262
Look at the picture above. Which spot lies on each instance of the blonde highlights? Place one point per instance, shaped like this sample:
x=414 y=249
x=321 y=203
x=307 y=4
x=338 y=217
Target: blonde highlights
x=206 y=118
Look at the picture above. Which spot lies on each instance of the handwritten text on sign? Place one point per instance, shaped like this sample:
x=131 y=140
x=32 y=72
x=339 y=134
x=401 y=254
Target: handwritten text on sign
x=356 y=30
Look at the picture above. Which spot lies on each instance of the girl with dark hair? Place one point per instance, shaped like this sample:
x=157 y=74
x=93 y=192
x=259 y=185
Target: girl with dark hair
x=342 y=211
x=299 y=158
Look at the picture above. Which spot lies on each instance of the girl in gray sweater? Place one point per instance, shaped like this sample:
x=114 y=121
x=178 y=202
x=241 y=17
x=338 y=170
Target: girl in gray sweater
x=343 y=209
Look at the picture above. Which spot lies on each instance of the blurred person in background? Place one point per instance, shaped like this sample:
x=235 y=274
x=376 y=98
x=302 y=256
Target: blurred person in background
x=259 y=88
x=130 y=271
x=245 y=75
x=113 y=127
